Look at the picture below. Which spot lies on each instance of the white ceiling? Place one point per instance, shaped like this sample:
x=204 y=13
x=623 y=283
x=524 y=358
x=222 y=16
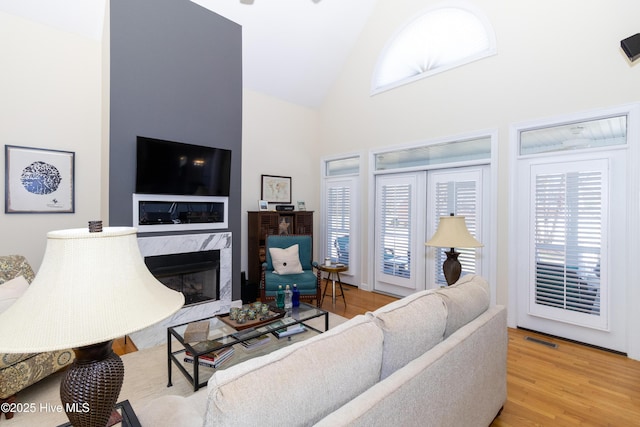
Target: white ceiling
x=292 y=49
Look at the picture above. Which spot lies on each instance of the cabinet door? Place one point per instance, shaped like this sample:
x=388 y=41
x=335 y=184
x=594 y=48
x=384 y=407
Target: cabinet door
x=304 y=223
x=286 y=224
x=268 y=225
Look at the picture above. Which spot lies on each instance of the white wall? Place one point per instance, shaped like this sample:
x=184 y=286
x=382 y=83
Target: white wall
x=54 y=89
x=50 y=86
x=553 y=58
x=278 y=138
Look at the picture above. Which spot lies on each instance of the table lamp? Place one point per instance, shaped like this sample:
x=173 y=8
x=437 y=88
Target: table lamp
x=91 y=288
x=452 y=233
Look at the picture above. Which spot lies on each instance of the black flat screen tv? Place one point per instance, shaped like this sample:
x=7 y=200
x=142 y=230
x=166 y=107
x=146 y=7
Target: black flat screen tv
x=167 y=167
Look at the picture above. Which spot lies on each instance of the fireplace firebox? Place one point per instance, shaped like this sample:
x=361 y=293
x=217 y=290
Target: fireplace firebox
x=195 y=274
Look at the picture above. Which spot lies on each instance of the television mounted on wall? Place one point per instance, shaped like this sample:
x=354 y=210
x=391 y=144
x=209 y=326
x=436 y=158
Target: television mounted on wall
x=168 y=167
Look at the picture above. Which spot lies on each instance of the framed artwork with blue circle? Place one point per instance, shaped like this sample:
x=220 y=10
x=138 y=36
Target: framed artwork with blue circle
x=38 y=180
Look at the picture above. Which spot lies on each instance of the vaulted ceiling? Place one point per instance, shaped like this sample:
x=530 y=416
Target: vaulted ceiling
x=292 y=49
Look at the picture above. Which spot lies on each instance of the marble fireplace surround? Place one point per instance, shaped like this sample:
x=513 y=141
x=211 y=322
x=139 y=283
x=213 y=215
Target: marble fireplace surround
x=181 y=243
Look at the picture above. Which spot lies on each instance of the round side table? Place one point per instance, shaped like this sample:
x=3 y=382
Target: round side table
x=333 y=273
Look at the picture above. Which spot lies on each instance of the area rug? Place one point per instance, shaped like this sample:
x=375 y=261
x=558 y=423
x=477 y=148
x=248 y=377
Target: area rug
x=145 y=379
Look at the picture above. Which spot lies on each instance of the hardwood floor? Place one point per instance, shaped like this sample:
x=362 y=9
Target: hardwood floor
x=358 y=302
x=571 y=385
x=121 y=347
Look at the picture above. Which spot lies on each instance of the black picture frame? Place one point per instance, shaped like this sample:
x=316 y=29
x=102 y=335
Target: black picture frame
x=39 y=180
x=276 y=189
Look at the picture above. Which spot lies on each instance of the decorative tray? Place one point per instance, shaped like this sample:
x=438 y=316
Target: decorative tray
x=261 y=319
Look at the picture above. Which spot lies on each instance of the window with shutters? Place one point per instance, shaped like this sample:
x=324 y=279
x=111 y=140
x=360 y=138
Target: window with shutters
x=395 y=225
x=339 y=208
x=570 y=175
x=398 y=232
x=573 y=226
x=338 y=214
x=567 y=229
x=457 y=192
x=414 y=186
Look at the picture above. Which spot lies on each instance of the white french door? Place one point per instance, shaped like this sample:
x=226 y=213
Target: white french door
x=339 y=228
x=408 y=207
x=456 y=191
x=399 y=233
x=340 y=232
x=570 y=220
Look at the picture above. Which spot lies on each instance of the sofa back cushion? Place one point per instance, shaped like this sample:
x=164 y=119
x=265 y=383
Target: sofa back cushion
x=299 y=384
x=465 y=300
x=411 y=326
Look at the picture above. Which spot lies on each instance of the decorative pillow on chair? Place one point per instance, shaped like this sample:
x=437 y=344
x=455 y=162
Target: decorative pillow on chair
x=286 y=261
x=11 y=291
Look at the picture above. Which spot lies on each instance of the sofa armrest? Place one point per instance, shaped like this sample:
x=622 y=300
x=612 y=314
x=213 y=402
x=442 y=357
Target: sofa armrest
x=460 y=382
x=12 y=266
x=19 y=372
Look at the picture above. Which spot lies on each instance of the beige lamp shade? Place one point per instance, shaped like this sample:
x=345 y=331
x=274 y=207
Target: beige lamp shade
x=90 y=288
x=452 y=233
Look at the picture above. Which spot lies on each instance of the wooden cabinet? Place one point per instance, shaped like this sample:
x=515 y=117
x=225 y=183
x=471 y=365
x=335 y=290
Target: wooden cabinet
x=261 y=224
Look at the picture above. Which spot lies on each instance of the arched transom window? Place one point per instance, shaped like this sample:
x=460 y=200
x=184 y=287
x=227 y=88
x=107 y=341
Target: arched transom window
x=437 y=40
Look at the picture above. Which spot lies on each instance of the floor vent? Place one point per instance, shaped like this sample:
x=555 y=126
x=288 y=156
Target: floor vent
x=543 y=342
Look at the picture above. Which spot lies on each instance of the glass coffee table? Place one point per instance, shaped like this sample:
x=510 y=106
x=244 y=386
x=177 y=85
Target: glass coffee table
x=227 y=345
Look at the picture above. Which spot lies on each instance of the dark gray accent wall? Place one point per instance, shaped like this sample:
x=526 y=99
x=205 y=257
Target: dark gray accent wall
x=176 y=74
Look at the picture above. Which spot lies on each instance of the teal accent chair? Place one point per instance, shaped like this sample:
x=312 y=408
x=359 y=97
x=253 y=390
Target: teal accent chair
x=308 y=281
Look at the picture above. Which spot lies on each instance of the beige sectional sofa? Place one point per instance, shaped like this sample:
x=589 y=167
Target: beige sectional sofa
x=435 y=358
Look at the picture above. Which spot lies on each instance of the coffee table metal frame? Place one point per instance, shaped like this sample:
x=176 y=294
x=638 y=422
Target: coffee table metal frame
x=295 y=316
x=129 y=417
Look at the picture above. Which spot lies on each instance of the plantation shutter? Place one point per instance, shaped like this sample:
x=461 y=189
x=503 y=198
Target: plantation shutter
x=395 y=198
x=569 y=215
x=338 y=216
x=457 y=193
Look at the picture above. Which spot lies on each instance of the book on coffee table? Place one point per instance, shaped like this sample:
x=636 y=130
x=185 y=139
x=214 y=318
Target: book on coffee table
x=289 y=330
x=212 y=360
x=256 y=342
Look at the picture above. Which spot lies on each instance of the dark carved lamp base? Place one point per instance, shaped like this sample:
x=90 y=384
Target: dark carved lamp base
x=451 y=267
